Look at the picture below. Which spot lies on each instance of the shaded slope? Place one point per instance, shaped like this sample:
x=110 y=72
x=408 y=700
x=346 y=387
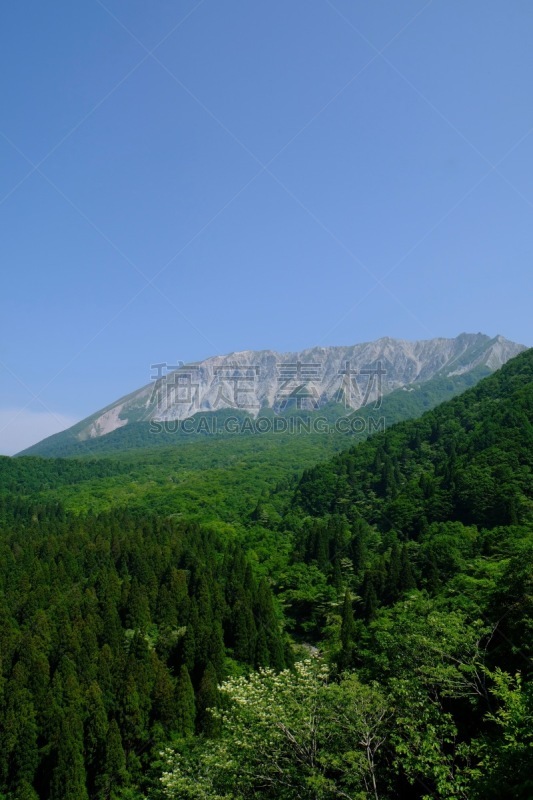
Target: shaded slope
x=469 y=459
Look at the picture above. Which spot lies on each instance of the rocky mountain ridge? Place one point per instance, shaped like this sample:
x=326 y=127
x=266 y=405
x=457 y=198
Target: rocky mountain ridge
x=250 y=381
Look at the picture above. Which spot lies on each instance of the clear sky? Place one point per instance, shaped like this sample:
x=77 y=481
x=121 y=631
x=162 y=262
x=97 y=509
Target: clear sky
x=180 y=179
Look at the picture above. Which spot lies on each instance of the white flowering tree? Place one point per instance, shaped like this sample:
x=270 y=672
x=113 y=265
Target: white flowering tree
x=286 y=736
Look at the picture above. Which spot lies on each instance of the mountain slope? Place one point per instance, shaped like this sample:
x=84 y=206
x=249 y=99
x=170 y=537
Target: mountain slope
x=406 y=560
x=401 y=404
x=470 y=458
x=252 y=382
x=411 y=577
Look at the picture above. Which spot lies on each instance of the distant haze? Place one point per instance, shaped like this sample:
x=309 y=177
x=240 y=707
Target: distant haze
x=20 y=428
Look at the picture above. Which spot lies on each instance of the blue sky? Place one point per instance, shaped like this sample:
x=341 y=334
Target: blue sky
x=185 y=178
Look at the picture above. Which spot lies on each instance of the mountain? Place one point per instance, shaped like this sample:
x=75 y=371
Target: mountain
x=399 y=569
x=410 y=569
x=252 y=382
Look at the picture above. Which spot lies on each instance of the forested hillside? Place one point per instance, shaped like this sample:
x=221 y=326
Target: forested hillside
x=115 y=630
x=468 y=459
x=361 y=631
x=207 y=478
x=411 y=573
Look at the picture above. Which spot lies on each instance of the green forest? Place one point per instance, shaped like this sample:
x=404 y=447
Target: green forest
x=276 y=617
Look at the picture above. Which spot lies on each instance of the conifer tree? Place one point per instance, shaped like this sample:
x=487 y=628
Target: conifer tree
x=96 y=727
x=370 y=599
x=180 y=593
x=114 y=772
x=262 y=655
x=69 y=777
x=185 y=703
x=189 y=643
x=166 y=609
x=20 y=733
x=357 y=550
x=406 y=579
x=268 y=629
x=216 y=652
x=244 y=630
x=206 y=699
x=163 y=695
x=393 y=575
